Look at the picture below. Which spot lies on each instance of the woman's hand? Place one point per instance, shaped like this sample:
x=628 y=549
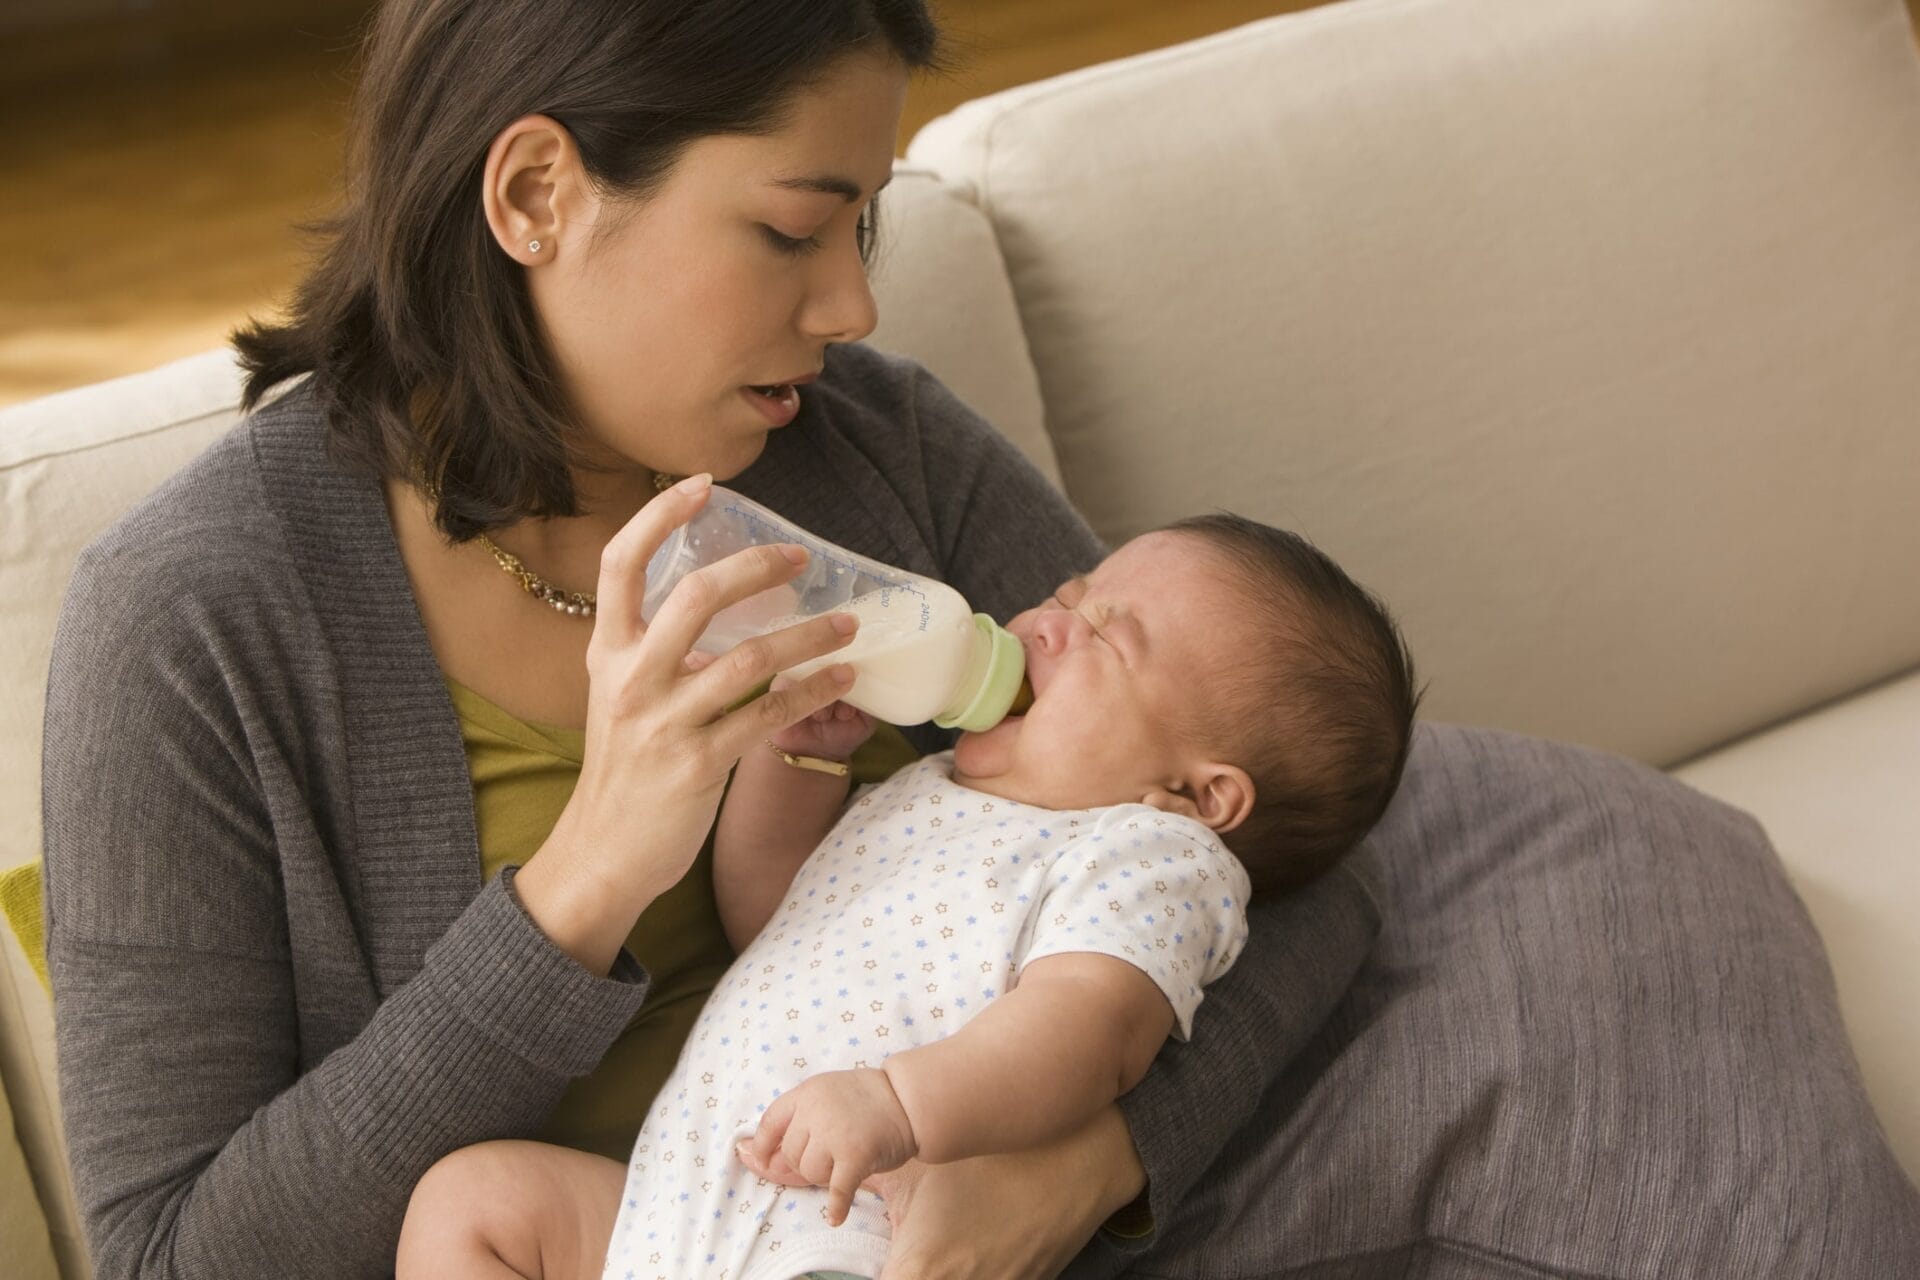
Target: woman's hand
x=659 y=739
x=1009 y=1217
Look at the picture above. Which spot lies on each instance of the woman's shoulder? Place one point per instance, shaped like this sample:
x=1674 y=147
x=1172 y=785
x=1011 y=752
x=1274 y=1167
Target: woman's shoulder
x=872 y=395
x=208 y=532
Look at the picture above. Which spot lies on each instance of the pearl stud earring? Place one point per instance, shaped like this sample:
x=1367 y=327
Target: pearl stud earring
x=533 y=246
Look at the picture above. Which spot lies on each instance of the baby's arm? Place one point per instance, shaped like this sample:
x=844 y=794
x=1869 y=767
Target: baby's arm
x=774 y=814
x=1079 y=1030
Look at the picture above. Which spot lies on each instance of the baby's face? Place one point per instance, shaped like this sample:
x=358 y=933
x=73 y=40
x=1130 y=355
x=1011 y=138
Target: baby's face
x=1116 y=659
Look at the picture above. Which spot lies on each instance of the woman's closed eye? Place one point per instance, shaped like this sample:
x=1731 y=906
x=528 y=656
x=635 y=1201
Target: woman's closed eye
x=789 y=245
x=798 y=246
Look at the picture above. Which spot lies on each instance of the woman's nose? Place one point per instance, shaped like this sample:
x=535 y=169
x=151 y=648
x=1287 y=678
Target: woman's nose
x=840 y=305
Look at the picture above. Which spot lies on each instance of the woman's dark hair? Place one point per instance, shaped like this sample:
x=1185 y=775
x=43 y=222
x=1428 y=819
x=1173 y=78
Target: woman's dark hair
x=1321 y=713
x=418 y=332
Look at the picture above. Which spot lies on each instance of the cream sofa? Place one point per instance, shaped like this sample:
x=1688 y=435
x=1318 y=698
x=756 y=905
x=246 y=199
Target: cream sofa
x=1584 y=332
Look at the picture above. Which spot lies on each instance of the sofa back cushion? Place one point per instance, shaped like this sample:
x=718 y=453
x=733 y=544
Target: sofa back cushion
x=1583 y=332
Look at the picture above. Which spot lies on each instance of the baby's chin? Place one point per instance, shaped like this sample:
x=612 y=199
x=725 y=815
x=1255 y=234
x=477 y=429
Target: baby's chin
x=986 y=761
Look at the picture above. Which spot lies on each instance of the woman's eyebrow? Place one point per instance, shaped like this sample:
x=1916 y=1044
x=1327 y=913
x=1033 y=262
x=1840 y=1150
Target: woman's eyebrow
x=828 y=184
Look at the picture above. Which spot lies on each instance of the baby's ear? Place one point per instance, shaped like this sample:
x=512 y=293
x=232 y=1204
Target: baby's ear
x=1223 y=795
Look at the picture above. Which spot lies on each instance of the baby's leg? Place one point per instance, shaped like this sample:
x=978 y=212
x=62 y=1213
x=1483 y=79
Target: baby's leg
x=506 y=1209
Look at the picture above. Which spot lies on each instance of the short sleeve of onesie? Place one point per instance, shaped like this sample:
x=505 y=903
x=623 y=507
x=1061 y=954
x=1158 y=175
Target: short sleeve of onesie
x=1154 y=889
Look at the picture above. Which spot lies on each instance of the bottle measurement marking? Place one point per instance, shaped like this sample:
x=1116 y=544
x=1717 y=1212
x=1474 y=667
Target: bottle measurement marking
x=838 y=565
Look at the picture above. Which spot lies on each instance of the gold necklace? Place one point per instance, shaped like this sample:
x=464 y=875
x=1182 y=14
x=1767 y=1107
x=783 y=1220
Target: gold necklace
x=580 y=604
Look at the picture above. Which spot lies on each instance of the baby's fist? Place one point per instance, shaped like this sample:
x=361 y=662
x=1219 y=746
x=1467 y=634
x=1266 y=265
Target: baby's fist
x=835 y=1130
x=834 y=732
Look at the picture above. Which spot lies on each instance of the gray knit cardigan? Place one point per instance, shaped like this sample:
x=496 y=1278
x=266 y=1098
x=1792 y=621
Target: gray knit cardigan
x=282 y=991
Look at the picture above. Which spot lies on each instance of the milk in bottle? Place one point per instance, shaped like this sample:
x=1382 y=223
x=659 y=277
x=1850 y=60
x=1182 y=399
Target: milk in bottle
x=921 y=652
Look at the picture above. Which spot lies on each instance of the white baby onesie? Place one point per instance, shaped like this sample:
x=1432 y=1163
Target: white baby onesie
x=921 y=905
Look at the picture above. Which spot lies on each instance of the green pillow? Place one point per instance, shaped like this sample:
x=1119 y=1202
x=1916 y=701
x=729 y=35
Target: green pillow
x=20 y=901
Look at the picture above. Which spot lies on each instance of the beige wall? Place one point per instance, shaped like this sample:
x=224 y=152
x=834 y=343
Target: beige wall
x=180 y=145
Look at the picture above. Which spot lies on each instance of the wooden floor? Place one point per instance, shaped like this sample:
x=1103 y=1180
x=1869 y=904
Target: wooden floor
x=144 y=216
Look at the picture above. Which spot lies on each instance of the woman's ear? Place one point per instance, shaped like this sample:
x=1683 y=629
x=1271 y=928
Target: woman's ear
x=534 y=189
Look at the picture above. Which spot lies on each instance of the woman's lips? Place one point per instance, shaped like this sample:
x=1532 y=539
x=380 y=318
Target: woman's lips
x=779 y=402
x=779 y=408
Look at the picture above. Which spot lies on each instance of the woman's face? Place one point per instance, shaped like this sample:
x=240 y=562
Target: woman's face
x=737 y=273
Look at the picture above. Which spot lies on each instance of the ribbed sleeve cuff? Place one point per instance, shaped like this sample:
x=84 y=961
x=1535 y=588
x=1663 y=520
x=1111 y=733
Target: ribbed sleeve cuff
x=1174 y=1122
x=498 y=971
x=480 y=1044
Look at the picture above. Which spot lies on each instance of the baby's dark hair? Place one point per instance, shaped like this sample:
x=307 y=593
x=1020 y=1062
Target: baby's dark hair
x=1322 y=719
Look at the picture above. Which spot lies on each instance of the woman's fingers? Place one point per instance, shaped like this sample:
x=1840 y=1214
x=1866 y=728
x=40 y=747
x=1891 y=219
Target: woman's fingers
x=755 y=661
x=623 y=564
x=696 y=598
x=741 y=728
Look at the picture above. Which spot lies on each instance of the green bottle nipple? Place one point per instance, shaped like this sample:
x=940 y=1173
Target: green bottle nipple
x=985 y=698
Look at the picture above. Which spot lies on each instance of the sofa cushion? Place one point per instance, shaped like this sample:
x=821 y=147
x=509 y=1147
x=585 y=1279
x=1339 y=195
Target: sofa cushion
x=1583 y=331
x=945 y=300
x=1835 y=789
x=21 y=892
x=24 y=1242
x=1595 y=1038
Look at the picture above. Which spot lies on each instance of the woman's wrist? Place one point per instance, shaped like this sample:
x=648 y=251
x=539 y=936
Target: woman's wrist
x=574 y=906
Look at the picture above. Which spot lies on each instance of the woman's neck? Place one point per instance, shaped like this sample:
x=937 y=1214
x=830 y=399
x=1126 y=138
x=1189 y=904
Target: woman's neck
x=563 y=550
x=606 y=500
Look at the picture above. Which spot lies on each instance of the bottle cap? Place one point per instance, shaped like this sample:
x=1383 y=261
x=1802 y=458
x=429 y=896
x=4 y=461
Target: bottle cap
x=1006 y=666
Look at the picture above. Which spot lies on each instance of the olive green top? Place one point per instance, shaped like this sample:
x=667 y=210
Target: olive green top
x=523 y=774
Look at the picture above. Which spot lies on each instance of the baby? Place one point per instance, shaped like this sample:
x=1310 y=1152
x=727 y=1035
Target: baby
x=978 y=954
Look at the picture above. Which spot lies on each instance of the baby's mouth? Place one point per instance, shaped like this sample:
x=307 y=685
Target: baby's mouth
x=1022 y=700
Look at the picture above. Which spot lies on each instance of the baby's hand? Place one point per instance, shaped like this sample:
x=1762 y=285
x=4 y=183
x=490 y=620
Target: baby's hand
x=833 y=732
x=835 y=1130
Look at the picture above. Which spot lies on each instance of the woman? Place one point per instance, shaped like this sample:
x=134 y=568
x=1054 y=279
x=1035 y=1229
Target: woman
x=299 y=716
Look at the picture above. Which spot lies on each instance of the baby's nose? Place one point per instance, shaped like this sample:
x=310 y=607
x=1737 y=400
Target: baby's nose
x=1054 y=629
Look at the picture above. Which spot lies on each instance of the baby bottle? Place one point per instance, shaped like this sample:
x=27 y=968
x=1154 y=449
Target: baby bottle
x=921 y=652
